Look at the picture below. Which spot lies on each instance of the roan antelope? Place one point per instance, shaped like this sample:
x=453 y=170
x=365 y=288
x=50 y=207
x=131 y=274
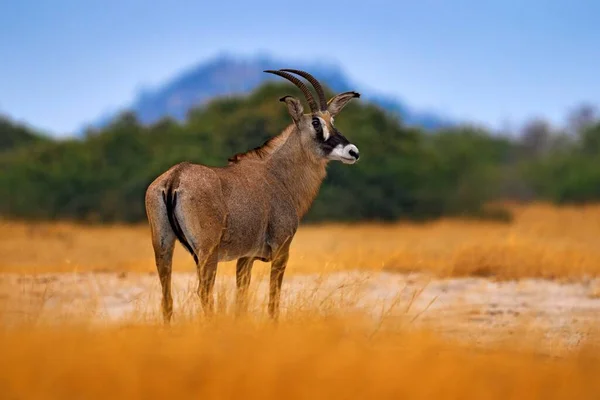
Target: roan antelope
x=250 y=209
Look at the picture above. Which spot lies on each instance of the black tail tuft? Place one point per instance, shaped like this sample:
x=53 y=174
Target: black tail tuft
x=170 y=198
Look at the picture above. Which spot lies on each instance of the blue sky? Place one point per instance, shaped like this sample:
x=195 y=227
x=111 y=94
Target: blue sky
x=65 y=62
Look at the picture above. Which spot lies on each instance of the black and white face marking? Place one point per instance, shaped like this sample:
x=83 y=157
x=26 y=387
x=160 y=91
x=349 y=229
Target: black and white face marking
x=333 y=144
x=320 y=127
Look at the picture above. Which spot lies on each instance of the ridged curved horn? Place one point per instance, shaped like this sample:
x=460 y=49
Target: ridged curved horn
x=309 y=97
x=316 y=84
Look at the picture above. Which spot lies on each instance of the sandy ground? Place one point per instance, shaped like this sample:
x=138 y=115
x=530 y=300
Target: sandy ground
x=474 y=308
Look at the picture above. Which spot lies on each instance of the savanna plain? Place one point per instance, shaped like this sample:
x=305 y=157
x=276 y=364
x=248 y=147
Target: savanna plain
x=450 y=309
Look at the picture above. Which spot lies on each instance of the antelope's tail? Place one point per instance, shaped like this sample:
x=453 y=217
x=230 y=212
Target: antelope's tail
x=170 y=199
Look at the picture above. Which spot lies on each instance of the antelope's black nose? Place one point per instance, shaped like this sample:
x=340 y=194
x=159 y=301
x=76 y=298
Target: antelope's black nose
x=354 y=154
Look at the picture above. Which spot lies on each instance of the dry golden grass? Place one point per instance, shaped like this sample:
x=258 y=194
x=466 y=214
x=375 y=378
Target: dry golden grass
x=312 y=352
x=303 y=357
x=542 y=241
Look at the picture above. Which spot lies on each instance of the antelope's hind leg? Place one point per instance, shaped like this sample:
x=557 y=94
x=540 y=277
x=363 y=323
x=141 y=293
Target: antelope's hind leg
x=203 y=231
x=278 y=266
x=163 y=242
x=207 y=272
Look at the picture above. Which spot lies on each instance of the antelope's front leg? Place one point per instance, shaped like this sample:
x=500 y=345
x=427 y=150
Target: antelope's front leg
x=277 y=271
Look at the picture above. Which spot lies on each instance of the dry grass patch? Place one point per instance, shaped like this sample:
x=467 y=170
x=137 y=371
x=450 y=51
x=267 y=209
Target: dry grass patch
x=306 y=357
x=542 y=241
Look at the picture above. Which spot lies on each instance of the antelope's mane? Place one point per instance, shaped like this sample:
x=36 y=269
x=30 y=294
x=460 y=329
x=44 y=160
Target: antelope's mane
x=265 y=150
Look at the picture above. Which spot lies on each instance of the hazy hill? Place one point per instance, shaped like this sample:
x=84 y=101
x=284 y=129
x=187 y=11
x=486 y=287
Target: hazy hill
x=227 y=75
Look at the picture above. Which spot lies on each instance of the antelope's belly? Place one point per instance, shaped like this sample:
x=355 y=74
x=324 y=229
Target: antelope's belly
x=244 y=237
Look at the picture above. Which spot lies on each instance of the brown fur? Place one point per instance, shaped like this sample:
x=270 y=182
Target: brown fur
x=248 y=210
x=262 y=151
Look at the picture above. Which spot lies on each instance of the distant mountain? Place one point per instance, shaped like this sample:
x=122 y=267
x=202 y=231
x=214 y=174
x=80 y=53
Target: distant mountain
x=227 y=75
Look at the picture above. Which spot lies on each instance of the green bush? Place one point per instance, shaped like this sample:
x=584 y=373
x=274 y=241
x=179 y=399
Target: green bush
x=404 y=172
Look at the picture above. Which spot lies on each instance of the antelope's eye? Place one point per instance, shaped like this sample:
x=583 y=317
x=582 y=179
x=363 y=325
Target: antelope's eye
x=316 y=124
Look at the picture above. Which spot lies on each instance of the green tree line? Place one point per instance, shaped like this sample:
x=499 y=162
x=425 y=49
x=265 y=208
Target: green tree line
x=404 y=172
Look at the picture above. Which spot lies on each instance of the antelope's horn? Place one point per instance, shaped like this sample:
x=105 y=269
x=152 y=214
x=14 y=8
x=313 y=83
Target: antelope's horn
x=309 y=97
x=316 y=84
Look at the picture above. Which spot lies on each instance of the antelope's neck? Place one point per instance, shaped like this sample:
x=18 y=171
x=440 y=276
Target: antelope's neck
x=300 y=174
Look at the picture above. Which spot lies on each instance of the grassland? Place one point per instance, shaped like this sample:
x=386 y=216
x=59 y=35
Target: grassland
x=542 y=241
x=515 y=281
x=309 y=358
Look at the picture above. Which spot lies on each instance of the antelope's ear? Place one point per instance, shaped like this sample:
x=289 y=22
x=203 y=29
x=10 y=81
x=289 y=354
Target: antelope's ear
x=294 y=107
x=338 y=102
